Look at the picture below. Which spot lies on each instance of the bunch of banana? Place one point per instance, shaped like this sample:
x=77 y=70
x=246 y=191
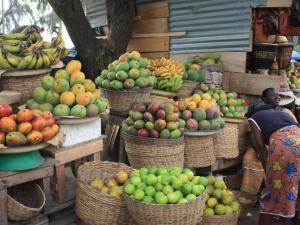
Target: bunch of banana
x=172 y=84
x=166 y=68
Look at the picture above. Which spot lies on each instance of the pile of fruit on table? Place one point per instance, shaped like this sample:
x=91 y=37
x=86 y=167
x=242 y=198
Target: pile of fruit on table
x=128 y=72
x=27 y=50
x=230 y=105
x=153 y=120
x=169 y=74
x=165 y=185
x=111 y=185
x=68 y=94
x=26 y=126
x=193 y=71
x=294 y=81
x=200 y=113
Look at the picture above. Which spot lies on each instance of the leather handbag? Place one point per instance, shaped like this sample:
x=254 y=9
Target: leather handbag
x=259 y=32
x=285 y=26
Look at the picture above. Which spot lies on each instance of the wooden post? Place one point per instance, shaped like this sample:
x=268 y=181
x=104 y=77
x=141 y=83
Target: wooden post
x=59 y=183
x=3 y=207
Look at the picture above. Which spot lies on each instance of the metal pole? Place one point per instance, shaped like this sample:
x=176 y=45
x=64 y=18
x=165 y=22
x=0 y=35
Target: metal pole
x=2 y=9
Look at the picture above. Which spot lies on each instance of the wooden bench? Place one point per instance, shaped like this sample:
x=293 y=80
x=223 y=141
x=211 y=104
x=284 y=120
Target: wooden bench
x=9 y=179
x=69 y=154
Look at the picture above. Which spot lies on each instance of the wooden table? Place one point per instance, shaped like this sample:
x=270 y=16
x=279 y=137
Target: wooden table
x=9 y=179
x=69 y=154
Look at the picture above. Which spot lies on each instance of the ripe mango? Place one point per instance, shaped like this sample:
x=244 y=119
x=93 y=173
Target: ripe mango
x=15 y=138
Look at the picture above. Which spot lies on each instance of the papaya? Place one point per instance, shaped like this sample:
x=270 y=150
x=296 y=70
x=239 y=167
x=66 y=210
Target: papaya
x=15 y=138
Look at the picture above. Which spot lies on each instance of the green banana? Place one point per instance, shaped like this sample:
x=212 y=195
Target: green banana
x=11 y=41
x=25 y=61
x=4 y=64
x=20 y=35
x=46 y=60
x=39 y=62
x=12 y=48
x=12 y=59
x=32 y=63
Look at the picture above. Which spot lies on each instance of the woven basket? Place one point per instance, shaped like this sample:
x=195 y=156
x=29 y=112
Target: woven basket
x=199 y=151
x=23 y=82
x=250 y=185
x=187 y=88
x=121 y=101
x=176 y=214
x=226 y=143
x=245 y=206
x=154 y=152
x=98 y=208
x=221 y=220
x=25 y=201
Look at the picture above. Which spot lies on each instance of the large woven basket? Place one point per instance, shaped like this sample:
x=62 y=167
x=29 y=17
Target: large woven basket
x=25 y=201
x=121 y=101
x=226 y=143
x=22 y=81
x=221 y=220
x=187 y=88
x=154 y=152
x=199 y=151
x=176 y=214
x=98 y=208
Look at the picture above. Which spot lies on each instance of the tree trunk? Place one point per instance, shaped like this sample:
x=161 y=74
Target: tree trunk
x=120 y=16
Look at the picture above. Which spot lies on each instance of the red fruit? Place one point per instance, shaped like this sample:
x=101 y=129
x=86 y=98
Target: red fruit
x=2 y=137
x=5 y=110
x=186 y=115
x=153 y=107
x=49 y=122
x=148 y=117
x=38 y=124
x=139 y=107
x=160 y=124
x=8 y=125
x=24 y=115
x=143 y=132
x=47 y=115
x=161 y=114
x=154 y=133
x=192 y=124
x=13 y=117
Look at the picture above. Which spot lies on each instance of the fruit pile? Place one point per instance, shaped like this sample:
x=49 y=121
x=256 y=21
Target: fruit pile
x=200 y=113
x=193 y=71
x=153 y=120
x=165 y=185
x=129 y=72
x=68 y=94
x=230 y=105
x=219 y=200
x=112 y=186
x=26 y=127
x=169 y=73
x=294 y=81
x=27 y=50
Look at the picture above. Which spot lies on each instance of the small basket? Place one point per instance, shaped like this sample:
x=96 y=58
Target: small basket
x=176 y=214
x=121 y=101
x=284 y=54
x=250 y=185
x=226 y=143
x=98 y=208
x=187 y=88
x=154 y=152
x=263 y=55
x=23 y=81
x=25 y=201
x=231 y=219
x=245 y=206
x=199 y=151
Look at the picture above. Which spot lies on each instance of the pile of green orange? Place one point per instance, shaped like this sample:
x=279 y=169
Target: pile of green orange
x=165 y=185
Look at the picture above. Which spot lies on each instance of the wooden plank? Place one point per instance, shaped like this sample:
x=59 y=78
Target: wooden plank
x=153 y=10
x=251 y=84
x=74 y=153
x=151 y=26
x=168 y=34
x=232 y=61
x=59 y=194
x=155 y=44
x=26 y=176
x=3 y=206
x=279 y=3
x=155 y=55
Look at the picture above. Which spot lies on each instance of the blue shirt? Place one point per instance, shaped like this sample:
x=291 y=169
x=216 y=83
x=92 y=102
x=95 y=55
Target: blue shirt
x=271 y=120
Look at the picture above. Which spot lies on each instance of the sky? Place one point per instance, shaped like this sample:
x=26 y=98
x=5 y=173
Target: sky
x=46 y=35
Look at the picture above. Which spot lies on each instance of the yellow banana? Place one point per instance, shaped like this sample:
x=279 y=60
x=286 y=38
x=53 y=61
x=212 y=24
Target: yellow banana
x=20 y=35
x=64 y=53
x=46 y=44
x=39 y=62
x=46 y=60
x=12 y=48
x=12 y=59
x=50 y=56
x=25 y=61
x=32 y=63
x=57 y=56
x=57 y=40
x=4 y=64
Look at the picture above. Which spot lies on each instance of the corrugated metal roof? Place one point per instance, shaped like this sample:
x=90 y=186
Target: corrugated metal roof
x=96 y=12
x=146 y=1
x=211 y=25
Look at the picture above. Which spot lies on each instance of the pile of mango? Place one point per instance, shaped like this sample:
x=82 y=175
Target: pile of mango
x=193 y=71
x=294 y=81
x=169 y=74
x=26 y=126
x=128 y=72
x=68 y=93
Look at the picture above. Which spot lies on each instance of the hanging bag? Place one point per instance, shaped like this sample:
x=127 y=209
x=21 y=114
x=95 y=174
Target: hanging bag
x=295 y=13
x=285 y=27
x=260 y=36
